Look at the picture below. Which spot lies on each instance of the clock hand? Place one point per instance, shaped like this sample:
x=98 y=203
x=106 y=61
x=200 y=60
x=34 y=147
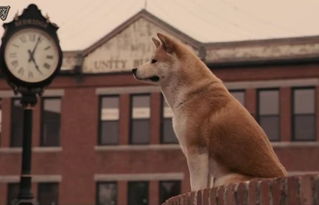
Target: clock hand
x=32 y=52
x=36 y=66
x=31 y=58
x=30 y=55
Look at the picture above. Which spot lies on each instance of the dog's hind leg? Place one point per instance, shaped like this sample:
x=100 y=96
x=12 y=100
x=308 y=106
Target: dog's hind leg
x=231 y=178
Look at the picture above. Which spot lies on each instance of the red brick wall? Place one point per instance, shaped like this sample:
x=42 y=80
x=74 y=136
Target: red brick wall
x=78 y=161
x=293 y=190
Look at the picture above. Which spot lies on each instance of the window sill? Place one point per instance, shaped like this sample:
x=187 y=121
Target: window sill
x=137 y=147
x=296 y=144
x=47 y=149
x=34 y=149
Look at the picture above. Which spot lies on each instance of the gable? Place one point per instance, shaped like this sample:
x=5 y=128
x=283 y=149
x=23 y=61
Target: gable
x=127 y=49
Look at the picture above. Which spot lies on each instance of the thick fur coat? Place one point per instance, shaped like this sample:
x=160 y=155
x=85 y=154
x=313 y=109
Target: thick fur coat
x=221 y=141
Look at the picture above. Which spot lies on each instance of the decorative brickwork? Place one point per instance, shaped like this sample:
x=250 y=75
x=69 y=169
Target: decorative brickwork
x=292 y=190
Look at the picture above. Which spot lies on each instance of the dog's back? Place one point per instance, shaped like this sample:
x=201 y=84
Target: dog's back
x=219 y=137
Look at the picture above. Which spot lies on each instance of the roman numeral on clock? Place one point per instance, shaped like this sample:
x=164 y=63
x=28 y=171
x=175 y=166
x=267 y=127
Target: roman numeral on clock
x=23 y=39
x=14 y=63
x=13 y=55
x=47 y=66
x=32 y=37
x=21 y=71
x=30 y=74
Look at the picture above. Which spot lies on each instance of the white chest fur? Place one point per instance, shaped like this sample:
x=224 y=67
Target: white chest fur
x=179 y=126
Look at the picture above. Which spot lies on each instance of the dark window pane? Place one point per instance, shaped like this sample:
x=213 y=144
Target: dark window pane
x=109 y=121
x=140 y=131
x=107 y=193
x=110 y=102
x=268 y=102
x=16 y=124
x=168 y=134
x=141 y=101
x=168 y=131
x=51 y=120
x=304 y=114
x=239 y=95
x=12 y=194
x=169 y=189
x=109 y=132
x=304 y=127
x=304 y=101
x=268 y=113
x=137 y=193
x=140 y=122
x=48 y=193
x=271 y=126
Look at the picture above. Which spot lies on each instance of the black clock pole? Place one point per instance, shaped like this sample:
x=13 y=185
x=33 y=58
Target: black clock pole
x=30 y=86
x=25 y=196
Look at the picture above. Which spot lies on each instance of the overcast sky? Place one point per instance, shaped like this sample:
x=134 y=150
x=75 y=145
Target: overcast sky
x=83 y=22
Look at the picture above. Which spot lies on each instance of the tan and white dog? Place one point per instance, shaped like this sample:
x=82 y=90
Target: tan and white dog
x=222 y=142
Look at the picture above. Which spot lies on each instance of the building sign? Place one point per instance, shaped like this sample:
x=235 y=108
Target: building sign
x=126 y=50
x=129 y=48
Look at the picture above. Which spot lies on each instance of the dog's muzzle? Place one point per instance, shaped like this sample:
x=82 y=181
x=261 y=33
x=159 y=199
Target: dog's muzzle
x=154 y=78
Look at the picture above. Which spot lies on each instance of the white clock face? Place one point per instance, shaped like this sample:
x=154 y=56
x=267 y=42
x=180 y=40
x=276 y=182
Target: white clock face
x=31 y=55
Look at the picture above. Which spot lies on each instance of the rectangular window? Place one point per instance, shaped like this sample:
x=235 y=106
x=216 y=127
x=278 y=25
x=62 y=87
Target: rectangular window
x=48 y=193
x=304 y=114
x=138 y=193
x=51 y=122
x=168 y=134
x=12 y=193
x=239 y=95
x=109 y=120
x=106 y=193
x=268 y=113
x=169 y=189
x=16 y=123
x=140 y=119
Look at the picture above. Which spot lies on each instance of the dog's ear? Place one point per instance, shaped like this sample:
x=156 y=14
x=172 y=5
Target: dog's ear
x=156 y=42
x=167 y=43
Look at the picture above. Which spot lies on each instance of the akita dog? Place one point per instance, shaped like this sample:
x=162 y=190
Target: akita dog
x=221 y=141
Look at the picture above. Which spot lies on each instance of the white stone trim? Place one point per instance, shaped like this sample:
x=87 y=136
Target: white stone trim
x=53 y=92
x=293 y=173
x=230 y=85
x=177 y=147
x=35 y=178
x=47 y=149
x=124 y=90
x=9 y=150
x=248 y=52
x=272 y=83
x=8 y=94
x=296 y=144
x=46 y=93
x=137 y=147
x=139 y=177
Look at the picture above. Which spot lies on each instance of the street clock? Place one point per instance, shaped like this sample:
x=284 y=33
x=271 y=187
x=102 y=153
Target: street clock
x=30 y=52
x=30 y=57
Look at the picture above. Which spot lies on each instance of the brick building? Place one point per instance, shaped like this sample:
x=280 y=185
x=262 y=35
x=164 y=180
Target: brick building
x=101 y=137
